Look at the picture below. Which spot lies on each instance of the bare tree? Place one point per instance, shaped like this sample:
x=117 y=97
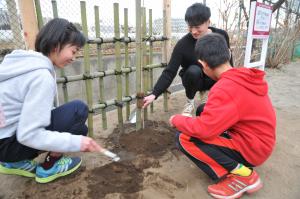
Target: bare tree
x=242 y=5
x=235 y=25
x=277 y=5
x=228 y=13
x=281 y=48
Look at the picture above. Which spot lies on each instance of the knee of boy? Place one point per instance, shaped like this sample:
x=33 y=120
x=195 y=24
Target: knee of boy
x=194 y=71
x=85 y=131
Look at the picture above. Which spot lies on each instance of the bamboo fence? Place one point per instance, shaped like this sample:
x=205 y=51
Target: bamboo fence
x=143 y=63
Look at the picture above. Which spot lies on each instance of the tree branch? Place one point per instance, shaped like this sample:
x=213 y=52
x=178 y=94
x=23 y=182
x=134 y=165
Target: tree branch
x=277 y=5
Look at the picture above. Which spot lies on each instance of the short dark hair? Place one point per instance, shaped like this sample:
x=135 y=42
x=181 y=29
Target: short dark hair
x=58 y=32
x=197 y=14
x=212 y=48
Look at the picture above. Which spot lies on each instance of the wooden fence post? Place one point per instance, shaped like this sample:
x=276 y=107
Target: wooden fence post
x=167 y=43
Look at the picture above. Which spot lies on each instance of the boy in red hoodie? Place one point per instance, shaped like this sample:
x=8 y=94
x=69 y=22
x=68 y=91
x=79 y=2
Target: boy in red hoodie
x=235 y=130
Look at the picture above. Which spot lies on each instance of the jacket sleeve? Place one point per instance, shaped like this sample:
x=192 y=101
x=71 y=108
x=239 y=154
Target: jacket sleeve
x=169 y=73
x=219 y=114
x=36 y=115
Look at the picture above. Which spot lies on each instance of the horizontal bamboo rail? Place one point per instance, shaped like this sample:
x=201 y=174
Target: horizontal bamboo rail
x=101 y=40
x=73 y=78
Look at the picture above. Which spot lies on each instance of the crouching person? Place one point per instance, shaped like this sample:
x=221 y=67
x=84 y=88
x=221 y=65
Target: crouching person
x=30 y=125
x=235 y=130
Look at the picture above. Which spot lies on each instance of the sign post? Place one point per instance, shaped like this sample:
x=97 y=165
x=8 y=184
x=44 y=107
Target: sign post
x=258 y=30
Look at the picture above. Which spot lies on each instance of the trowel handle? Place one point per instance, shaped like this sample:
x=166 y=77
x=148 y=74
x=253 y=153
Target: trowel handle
x=110 y=154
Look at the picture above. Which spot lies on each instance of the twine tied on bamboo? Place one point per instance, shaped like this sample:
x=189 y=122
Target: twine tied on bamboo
x=140 y=99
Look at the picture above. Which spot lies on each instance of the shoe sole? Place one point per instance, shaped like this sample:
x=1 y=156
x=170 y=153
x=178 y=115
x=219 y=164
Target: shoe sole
x=249 y=189
x=53 y=177
x=18 y=172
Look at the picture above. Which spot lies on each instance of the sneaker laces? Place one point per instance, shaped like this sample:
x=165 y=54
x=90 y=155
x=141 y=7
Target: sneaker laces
x=230 y=182
x=64 y=160
x=32 y=162
x=188 y=108
x=203 y=96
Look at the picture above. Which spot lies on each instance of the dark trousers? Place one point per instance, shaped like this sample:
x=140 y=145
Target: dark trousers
x=216 y=157
x=69 y=117
x=194 y=79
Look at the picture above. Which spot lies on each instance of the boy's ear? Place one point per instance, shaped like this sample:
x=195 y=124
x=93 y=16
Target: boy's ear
x=54 y=50
x=208 y=21
x=203 y=63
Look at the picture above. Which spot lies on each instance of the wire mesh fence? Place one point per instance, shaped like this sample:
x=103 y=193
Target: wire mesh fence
x=11 y=35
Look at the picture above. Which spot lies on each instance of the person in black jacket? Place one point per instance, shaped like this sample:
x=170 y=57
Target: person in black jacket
x=197 y=17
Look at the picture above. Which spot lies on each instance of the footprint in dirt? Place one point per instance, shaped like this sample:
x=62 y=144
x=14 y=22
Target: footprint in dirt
x=121 y=177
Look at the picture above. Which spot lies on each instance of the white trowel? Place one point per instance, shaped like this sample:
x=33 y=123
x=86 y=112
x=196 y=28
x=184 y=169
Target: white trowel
x=110 y=154
x=132 y=116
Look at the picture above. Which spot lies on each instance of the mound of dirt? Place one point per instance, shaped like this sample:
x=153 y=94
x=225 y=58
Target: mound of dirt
x=153 y=141
x=139 y=150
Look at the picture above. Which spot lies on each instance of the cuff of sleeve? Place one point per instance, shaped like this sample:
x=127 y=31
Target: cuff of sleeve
x=76 y=143
x=155 y=94
x=176 y=120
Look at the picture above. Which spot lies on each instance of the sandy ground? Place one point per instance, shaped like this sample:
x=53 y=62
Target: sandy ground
x=153 y=168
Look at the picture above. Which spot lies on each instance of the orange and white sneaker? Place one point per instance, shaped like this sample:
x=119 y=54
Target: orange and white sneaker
x=233 y=186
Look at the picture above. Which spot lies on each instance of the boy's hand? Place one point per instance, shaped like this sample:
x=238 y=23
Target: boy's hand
x=170 y=121
x=148 y=100
x=89 y=145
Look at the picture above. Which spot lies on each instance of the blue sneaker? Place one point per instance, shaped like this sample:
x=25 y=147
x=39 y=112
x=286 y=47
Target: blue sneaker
x=23 y=168
x=62 y=167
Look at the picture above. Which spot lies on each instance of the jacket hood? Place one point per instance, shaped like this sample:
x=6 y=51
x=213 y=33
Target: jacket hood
x=252 y=79
x=22 y=61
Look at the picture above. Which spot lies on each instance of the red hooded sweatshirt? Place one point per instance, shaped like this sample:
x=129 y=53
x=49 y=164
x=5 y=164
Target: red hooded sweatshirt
x=239 y=103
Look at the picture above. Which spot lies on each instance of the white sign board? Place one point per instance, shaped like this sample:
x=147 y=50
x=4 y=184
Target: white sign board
x=259 y=29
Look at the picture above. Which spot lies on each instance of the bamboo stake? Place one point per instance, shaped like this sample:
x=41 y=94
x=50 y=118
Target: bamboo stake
x=151 y=57
x=138 y=60
x=54 y=8
x=87 y=69
x=139 y=104
x=144 y=55
x=167 y=44
x=62 y=70
x=127 y=89
x=118 y=62
x=39 y=13
x=100 y=67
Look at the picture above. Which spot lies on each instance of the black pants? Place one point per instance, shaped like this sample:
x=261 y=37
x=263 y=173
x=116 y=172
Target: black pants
x=194 y=79
x=216 y=157
x=70 y=117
